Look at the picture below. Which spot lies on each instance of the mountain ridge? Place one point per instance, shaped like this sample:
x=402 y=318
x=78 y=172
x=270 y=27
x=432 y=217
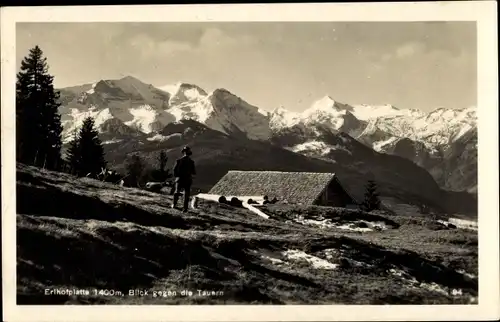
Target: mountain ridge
x=415 y=135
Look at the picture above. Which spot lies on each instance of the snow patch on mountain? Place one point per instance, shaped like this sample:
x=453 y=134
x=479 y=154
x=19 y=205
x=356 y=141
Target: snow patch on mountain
x=263 y=112
x=282 y=118
x=112 y=141
x=439 y=128
x=367 y=112
x=379 y=145
x=183 y=92
x=199 y=110
x=317 y=148
x=338 y=147
x=220 y=110
x=324 y=111
x=74 y=120
x=170 y=88
x=466 y=128
x=162 y=138
x=326 y=104
x=312 y=146
x=92 y=90
x=143 y=118
x=147 y=119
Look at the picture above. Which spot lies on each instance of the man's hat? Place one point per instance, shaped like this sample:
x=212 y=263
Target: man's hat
x=186 y=149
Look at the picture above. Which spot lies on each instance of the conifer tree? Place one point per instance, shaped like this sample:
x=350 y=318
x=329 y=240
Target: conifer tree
x=135 y=169
x=371 y=201
x=162 y=163
x=89 y=156
x=38 y=122
x=162 y=160
x=73 y=154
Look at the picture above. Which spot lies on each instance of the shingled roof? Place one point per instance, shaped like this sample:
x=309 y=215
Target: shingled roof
x=289 y=187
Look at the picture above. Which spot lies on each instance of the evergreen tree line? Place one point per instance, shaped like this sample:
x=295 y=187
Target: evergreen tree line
x=38 y=122
x=85 y=153
x=39 y=134
x=138 y=172
x=39 y=130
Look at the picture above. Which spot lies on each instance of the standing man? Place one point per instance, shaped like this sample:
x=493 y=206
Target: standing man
x=184 y=170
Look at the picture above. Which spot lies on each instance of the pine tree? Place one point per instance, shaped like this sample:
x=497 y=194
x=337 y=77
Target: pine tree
x=73 y=154
x=162 y=160
x=135 y=169
x=38 y=122
x=371 y=201
x=162 y=163
x=89 y=156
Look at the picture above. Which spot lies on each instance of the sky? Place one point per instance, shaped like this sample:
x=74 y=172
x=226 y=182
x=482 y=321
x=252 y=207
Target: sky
x=421 y=65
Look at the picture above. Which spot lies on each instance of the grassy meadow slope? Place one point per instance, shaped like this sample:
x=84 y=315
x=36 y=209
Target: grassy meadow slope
x=84 y=234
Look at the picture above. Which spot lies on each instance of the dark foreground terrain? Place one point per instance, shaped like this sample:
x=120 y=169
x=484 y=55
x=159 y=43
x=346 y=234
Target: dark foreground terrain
x=81 y=234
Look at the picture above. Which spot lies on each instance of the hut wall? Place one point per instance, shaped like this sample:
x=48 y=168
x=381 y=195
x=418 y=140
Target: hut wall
x=334 y=196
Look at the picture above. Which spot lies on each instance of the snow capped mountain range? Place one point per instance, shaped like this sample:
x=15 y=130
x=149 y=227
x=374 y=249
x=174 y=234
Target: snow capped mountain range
x=380 y=126
x=129 y=107
x=147 y=109
x=427 y=139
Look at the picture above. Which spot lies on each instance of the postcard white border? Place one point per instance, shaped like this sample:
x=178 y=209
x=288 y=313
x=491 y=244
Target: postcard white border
x=483 y=12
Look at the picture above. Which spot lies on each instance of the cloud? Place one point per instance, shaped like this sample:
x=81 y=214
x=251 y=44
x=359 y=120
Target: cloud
x=212 y=40
x=404 y=51
x=215 y=37
x=149 y=47
x=172 y=46
x=387 y=57
x=409 y=49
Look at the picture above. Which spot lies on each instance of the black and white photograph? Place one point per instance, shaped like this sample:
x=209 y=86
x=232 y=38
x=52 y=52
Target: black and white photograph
x=238 y=162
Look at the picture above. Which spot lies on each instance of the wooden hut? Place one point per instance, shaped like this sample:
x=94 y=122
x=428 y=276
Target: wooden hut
x=300 y=188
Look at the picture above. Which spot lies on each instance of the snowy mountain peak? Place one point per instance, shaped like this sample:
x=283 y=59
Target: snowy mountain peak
x=223 y=97
x=386 y=106
x=327 y=99
x=170 y=88
x=280 y=118
x=370 y=112
x=221 y=92
x=390 y=106
x=146 y=108
x=130 y=79
x=279 y=110
x=184 y=92
x=173 y=89
x=102 y=86
x=325 y=104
